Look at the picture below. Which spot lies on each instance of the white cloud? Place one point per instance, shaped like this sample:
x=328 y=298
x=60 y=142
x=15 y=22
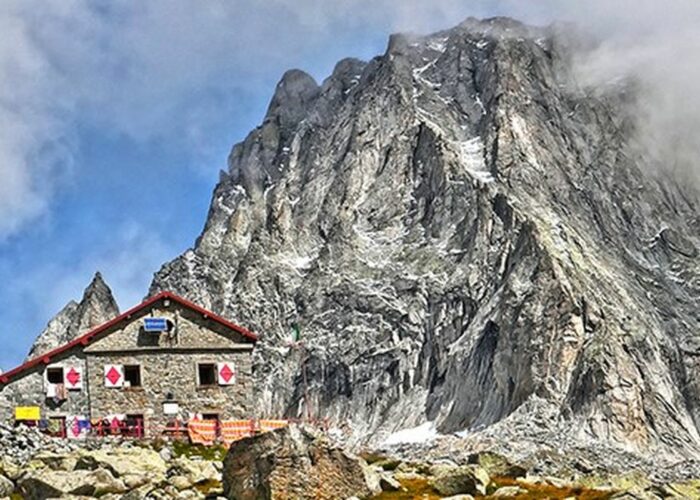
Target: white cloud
x=130 y=69
x=127 y=261
x=34 y=142
x=144 y=70
x=148 y=69
x=658 y=44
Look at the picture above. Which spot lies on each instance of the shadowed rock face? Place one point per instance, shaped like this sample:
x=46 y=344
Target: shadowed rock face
x=461 y=232
x=96 y=307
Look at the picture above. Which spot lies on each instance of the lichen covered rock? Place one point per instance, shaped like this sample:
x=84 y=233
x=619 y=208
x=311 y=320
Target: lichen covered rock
x=449 y=481
x=42 y=484
x=7 y=487
x=294 y=463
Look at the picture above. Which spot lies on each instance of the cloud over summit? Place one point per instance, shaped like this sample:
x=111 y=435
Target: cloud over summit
x=158 y=70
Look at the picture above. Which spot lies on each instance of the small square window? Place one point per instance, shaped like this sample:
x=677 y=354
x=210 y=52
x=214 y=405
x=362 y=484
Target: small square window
x=132 y=375
x=54 y=375
x=206 y=374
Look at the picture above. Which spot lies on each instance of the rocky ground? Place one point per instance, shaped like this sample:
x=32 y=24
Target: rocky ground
x=287 y=464
x=36 y=467
x=544 y=444
x=299 y=463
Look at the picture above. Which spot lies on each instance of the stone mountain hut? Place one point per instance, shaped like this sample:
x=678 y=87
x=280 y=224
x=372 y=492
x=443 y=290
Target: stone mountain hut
x=152 y=367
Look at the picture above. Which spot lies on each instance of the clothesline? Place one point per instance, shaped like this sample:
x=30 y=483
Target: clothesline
x=198 y=430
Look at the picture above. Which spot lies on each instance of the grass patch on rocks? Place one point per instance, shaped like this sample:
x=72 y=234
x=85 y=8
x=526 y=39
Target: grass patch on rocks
x=418 y=487
x=214 y=453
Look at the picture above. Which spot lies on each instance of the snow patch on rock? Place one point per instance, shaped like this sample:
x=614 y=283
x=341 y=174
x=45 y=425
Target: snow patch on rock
x=422 y=434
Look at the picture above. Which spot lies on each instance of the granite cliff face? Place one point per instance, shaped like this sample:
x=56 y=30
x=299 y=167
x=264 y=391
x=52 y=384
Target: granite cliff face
x=465 y=237
x=76 y=318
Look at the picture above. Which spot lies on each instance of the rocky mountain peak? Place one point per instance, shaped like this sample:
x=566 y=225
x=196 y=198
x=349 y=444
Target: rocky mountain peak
x=467 y=242
x=498 y=26
x=295 y=93
x=97 y=306
x=76 y=318
x=97 y=285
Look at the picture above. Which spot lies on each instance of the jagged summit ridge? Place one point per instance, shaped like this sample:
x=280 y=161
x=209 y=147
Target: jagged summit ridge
x=461 y=232
x=76 y=318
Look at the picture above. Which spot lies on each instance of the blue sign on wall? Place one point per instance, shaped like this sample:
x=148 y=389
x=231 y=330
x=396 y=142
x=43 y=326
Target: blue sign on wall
x=155 y=324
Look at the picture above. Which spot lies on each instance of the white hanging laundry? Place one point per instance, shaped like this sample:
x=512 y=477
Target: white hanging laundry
x=50 y=391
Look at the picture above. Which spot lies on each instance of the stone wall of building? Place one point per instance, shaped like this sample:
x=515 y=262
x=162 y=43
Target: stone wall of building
x=175 y=374
x=30 y=390
x=191 y=330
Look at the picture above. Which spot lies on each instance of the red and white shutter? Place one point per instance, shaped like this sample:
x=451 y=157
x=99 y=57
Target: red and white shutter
x=226 y=373
x=114 y=375
x=73 y=378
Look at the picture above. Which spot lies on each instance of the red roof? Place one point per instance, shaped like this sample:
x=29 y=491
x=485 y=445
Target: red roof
x=86 y=338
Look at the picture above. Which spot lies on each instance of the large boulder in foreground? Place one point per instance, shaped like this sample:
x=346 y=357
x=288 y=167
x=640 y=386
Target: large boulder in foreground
x=294 y=462
x=467 y=479
x=124 y=462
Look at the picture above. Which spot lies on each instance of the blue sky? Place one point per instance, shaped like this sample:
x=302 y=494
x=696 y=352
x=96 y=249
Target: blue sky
x=116 y=117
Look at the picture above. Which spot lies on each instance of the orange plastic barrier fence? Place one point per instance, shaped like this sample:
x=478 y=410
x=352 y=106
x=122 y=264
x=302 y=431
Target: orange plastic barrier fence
x=233 y=430
x=202 y=431
x=271 y=425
